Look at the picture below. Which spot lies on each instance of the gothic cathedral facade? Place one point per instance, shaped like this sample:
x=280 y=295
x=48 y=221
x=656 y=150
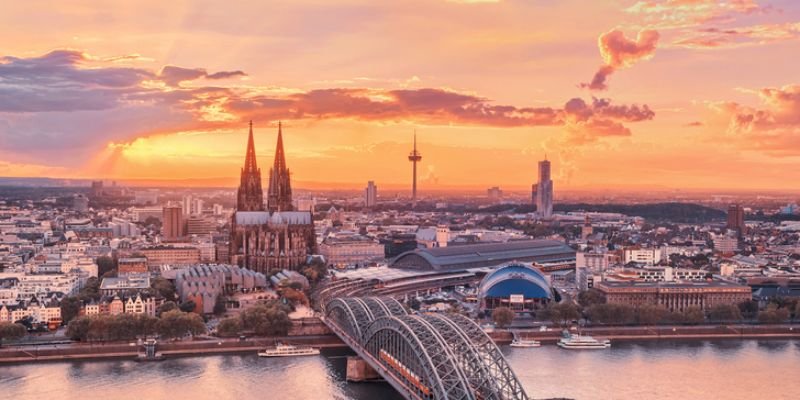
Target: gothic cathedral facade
x=274 y=236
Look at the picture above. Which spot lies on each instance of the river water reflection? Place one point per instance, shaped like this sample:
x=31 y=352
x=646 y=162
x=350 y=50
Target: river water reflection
x=628 y=371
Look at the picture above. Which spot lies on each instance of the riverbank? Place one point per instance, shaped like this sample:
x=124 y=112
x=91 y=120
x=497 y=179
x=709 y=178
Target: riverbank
x=88 y=351
x=700 y=332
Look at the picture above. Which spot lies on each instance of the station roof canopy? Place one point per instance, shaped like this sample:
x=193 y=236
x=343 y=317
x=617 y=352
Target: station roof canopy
x=484 y=255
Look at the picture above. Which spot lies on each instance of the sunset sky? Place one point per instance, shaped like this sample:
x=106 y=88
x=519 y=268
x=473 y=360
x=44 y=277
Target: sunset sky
x=675 y=93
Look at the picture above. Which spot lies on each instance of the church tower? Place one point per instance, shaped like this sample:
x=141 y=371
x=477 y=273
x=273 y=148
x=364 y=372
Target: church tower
x=279 y=194
x=250 y=197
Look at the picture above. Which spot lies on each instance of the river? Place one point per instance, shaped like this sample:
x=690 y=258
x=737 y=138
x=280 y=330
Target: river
x=731 y=369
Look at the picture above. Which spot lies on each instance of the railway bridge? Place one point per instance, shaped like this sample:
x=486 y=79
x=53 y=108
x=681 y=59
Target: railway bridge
x=423 y=356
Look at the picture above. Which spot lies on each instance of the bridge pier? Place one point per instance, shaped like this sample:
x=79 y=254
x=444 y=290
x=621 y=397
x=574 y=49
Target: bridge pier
x=359 y=370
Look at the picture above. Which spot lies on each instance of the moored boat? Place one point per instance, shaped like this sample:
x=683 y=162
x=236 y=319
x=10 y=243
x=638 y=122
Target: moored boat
x=287 y=350
x=580 y=342
x=525 y=343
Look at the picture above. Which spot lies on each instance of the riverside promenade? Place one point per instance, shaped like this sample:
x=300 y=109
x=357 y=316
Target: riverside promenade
x=10 y=353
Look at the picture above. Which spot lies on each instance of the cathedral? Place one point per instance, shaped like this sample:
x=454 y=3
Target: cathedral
x=275 y=236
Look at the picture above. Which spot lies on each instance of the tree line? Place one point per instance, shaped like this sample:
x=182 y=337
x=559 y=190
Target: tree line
x=592 y=307
x=171 y=324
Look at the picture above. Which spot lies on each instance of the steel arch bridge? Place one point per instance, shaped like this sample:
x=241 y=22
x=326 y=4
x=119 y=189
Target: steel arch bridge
x=429 y=356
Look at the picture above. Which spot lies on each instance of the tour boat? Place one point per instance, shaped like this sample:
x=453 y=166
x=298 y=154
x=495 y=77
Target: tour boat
x=577 y=342
x=525 y=343
x=287 y=350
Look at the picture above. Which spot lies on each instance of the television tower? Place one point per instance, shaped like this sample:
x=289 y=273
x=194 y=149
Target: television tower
x=414 y=157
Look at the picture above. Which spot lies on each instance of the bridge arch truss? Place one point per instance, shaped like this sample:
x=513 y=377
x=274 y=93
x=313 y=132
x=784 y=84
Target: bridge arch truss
x=429 y=356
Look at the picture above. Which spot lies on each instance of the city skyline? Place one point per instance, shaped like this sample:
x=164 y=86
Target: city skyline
x=690 y=95
x=418 y=199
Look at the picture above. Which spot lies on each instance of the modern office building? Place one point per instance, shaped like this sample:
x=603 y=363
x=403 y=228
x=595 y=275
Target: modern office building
x=542 y=192
x=173 y=227
x=371 y=194
x=199 y=225
x=158 y=256
x=736 y=219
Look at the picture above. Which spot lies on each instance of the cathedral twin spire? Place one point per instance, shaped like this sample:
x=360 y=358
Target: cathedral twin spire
x=250 y=196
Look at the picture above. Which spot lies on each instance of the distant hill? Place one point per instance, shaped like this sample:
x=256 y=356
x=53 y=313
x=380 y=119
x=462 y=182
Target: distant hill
x=672 y=212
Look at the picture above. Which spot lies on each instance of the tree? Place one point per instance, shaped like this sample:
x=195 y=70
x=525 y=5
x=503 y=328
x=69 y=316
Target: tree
x=748 y=308
x=176 y=323
x=91 y=290
x=229 y=327
x=725 y=313
x=153 y=221
x=267 y=319
x=773 y=315
x=105 y=264
x=414 y=304
x=502 y=316
x=166 y=307
x=295 y=296
x=70 y=308
x=219 y=305
x=11 y=331
x=562 y=313
x=78 y=328
x=588 y=298
x=163 y=287
x=650 y=314
x=188 y=306
x=694 y=315
x=614 y=314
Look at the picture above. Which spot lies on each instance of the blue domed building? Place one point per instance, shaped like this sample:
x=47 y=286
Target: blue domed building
x=517 y=286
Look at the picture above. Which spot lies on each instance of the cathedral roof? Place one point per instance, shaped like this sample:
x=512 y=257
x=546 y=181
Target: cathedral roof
x=279 y=217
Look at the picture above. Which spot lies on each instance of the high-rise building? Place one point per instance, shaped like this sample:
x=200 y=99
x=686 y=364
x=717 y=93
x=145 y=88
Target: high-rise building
x=276 y=237
x=414 y=157
x=197 y=206
x=736 y=218
x=279 y=194
x=371 y=194
x=543 y=191
x=494 y=193
x=587 y=229
x=186 y=205
x=173 y=223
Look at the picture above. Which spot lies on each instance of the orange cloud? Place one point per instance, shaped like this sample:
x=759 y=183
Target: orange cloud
x=774 y=129
x=173 y=76
x=737 y=37
x=619 y=51
x=106 y=104
x=672 y=14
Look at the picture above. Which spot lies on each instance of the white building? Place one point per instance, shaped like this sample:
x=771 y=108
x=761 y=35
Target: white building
x=351 y=251
x=646 y=256
x=593 y=261
x=726 y=244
